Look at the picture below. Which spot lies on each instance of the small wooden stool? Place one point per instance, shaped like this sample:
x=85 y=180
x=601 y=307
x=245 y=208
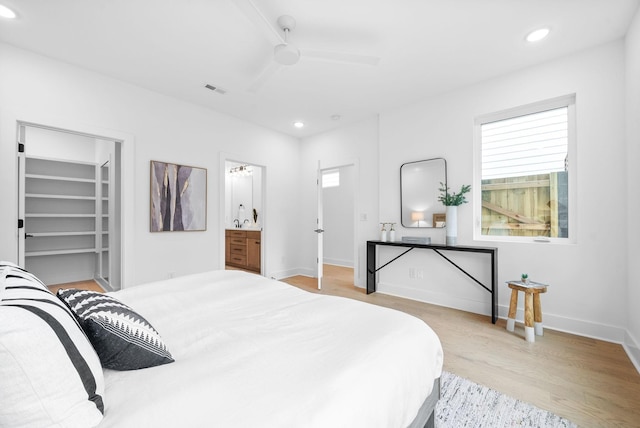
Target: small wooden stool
x=532 y=307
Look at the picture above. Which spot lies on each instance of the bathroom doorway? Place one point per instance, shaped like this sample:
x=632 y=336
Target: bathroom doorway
x=243 y=217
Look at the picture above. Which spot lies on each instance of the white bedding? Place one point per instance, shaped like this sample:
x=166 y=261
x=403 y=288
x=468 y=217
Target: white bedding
x=250 y=351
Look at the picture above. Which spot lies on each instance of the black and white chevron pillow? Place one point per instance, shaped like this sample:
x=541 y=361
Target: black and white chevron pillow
x=123 y=339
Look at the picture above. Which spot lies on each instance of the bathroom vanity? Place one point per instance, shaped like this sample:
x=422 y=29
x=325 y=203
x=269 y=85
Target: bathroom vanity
x=242 y=249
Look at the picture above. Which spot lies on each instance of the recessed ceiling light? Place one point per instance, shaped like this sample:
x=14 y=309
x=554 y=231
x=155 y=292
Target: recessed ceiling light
x=537 y=35
x=5 y=12
x=298 y=124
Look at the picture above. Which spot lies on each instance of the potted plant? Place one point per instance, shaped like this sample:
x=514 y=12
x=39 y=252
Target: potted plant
x=452 y=200
x=525 y=278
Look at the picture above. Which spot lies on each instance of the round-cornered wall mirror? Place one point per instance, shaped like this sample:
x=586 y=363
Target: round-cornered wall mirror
x=419 y=190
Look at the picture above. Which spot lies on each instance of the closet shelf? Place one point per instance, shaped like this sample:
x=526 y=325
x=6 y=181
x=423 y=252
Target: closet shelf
x=67 y=197
x=59 y=178
x=59 y=215
x=59 y=252
x=48 y=234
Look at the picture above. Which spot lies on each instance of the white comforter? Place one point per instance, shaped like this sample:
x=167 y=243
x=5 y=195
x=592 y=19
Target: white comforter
x=251 y=351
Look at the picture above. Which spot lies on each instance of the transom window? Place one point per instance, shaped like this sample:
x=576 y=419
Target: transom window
x=331 y=178
x=524 y=157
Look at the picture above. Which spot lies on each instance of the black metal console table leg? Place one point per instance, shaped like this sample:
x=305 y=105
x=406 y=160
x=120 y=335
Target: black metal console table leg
x=371 y=268
x=494 y=287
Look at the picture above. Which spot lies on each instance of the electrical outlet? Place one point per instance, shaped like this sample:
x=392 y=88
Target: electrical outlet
x=412 y=273
x=420 y=274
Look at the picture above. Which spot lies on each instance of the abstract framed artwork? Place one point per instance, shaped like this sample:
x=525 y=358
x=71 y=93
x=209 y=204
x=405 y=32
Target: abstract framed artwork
x=178 y=197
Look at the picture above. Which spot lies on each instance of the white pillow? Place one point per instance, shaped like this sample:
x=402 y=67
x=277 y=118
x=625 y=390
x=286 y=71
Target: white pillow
x=50 y=374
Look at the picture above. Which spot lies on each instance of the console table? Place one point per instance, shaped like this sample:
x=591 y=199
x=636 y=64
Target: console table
x=372 y=247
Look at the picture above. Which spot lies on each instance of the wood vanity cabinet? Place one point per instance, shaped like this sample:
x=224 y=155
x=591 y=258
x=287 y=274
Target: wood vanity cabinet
x=242 y=249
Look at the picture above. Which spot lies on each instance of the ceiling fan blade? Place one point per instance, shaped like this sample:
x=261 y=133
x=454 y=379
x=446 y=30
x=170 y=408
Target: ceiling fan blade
x=341 y=57
x=266 y=74
x=251 y=11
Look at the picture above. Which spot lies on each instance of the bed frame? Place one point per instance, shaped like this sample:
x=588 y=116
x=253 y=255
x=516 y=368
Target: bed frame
x=426 y=415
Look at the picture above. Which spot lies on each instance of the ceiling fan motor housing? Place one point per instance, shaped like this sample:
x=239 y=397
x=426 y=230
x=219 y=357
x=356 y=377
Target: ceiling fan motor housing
x=286 y=54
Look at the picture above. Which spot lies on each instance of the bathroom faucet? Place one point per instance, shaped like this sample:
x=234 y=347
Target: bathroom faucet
x=246 y=220
x=237 y=222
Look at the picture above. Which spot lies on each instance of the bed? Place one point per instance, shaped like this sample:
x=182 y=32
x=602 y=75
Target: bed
x=251 y=351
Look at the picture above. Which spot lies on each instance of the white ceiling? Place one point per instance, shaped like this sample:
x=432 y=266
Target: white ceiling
x=425 y=47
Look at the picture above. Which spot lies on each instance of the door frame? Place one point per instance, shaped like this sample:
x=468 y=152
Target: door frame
x=320 y=225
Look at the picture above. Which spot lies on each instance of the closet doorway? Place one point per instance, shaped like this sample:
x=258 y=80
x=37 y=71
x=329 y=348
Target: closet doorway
x=69 y=206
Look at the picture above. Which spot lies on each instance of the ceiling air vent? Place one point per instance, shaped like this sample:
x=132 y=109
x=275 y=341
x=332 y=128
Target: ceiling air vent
x=216 y=89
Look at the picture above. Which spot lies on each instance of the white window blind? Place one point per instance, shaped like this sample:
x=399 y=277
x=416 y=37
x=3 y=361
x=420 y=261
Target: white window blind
x=331 y=178
x=531 y=144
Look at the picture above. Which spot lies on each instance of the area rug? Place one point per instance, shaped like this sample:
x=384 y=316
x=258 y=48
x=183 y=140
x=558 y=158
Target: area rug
x=467 y=404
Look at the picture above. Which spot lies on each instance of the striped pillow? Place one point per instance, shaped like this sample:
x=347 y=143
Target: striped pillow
x=50 y=374
x=123 y=339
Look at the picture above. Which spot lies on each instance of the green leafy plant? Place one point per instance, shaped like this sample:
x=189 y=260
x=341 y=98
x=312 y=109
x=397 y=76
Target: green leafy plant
x=525 y=276
x=452 y=198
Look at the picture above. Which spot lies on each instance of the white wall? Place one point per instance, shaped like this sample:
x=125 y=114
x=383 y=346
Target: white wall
x=355 y=144
x=338 y=209
x=37 y=89
x=588 y=280
x=58 y=145
x=633 y=187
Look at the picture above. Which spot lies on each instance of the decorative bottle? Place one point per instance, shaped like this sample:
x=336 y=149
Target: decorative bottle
x=392 y=233
x=383 y=232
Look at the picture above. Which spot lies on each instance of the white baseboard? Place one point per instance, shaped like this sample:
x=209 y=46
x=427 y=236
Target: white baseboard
x=292 y=272
x=434 y=298
x=338 y=262
x=632 y=348
x=306 y=271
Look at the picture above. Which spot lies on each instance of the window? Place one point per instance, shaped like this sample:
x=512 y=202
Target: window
x=331 y=178
x=523 y=158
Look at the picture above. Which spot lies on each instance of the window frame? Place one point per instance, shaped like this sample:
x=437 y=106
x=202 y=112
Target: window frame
x=568 y=101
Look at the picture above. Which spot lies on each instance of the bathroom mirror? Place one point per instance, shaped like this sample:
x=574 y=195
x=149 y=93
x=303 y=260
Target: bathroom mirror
x=243 y=195
x=419 y=191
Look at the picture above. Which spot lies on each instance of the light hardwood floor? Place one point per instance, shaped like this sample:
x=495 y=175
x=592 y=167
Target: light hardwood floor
x=83 y=285
x=591 y=382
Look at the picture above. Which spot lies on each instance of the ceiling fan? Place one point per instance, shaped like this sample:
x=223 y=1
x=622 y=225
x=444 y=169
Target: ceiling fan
x=286 y=53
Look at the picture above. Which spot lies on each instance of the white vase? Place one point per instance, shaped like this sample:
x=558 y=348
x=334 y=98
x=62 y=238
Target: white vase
x=452 y=225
